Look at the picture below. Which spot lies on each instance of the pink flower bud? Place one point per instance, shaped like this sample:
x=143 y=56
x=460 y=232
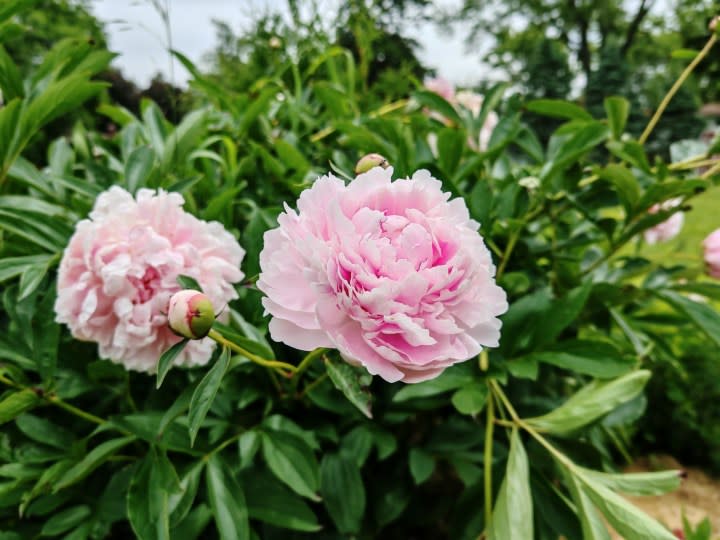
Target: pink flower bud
x=190 y=314
x=371 y=161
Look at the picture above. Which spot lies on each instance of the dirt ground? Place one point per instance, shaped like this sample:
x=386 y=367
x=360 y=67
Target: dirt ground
x=698 y=496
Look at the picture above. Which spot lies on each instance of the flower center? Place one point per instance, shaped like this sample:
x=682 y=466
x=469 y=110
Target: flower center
x=145 y=286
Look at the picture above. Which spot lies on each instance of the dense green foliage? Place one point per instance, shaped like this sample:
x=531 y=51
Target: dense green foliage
x=521 y=442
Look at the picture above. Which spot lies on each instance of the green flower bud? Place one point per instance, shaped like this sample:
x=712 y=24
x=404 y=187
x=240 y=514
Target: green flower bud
x=190 y=314
x=371 y=161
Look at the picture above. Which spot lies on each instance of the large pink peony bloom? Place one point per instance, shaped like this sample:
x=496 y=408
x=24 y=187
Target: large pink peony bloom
x=668 y=229
x=392 y=274
x=712 y=253
x=120 y=268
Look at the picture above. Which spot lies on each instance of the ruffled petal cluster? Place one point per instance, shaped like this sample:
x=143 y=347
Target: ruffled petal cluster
x=120 y=269
x=392 y=274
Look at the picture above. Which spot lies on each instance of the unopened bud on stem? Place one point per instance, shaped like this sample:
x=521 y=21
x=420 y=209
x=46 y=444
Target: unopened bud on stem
x=370 y=161
x=190 y=314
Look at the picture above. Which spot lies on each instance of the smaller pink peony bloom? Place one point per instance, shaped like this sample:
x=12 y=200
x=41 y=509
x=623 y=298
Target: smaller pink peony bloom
x=442 y=87
x=190 y=314
x=392 y=274
x=711 y=245
x=668 y=229
x=120 y=269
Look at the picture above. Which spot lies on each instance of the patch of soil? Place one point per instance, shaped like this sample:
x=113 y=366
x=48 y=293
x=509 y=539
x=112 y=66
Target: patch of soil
x=698 y=496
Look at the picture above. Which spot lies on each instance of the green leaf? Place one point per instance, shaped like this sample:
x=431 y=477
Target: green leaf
x=292 y=461
x=166 y=360
x=30 y=280
x=436 y=103
x=593 y=527
x=661 y=192
x=91 y=461
x=187 y=282
x=631 y=523
x=138 y=168
x=10 y=79
x=11 y=267
x=597 y=358
x=343 y=492
x=227 y=501
x=617 y=110
x=421 y=464
x=43 y=431
x=513 y=512
x=205 y=392
x=180 y=502
x=645 y=483
x=470 y=399
x=65 y=520
x=16 y=403
x=450 y=144
x=347 y=380
x=582 y=140
x=450 y=379
x=148 y=497
x=591 y=402
x=625 y=183
x=705 y=317
x=558 y=108
x=272 y=503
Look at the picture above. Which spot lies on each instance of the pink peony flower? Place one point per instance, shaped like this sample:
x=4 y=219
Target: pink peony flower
x=442 y=87
x=120 y=268
x=668 y=229
x=190 y=314
x=392 y=274
x=712 y=253
x=473 y=102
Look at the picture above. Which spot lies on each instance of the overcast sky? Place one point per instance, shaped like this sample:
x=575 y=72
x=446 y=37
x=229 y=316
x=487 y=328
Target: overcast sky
x=135 y=31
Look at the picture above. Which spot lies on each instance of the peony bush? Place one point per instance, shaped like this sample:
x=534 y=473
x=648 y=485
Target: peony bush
x=300 y=313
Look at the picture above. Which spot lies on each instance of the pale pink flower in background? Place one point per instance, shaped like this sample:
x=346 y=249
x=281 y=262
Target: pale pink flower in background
x=473 y=102
x=119 y=271
x=668 y=229
x=442 y=87
x=392 y=274
x=711 y=245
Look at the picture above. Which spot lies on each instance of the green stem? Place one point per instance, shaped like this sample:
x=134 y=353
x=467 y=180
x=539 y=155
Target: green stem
x=675 y=87
x=223 y=445
x=715 y=169
x=488 y=457
x=281 y=367
x=309 y=357
x=312 y=385
x=54 y=400
x=508 y=251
